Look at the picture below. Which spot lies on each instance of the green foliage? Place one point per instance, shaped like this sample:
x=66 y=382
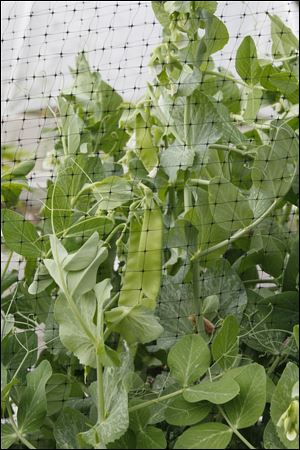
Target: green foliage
x=144 y=272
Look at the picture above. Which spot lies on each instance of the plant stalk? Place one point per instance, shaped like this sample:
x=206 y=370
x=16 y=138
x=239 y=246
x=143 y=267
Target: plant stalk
x=238 y=234
x=235 y=431
x=100 y=390
x=155 y=400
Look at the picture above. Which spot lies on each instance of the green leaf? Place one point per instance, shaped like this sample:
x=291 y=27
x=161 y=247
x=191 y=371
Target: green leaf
x=284 y=42
x=80 y=282
x=271 y=439
x=145 y=148
x=72 y=334
x=151 y=437
x=135 y=324
x=57 y=204
x=189 y=359
x=244 y=410
x=116 y=419
x=84 y=256
x=217 y=392
x=14 y=351
x=274 y=167
x=246 y=63
x=67 y=427
x=211 y=305
x=175 y=158
x=112 y=192
x=229 y=208
x=182 y=413
x=58 y=389
x=291 y=270
x=281 y=400
x=205 y=436
x=20 y=235
x=205 y=122
x=32 y=408
x=251 y=103
x=8 y=435
x=209 y=231
x=222 y=280
x=102 y=224
x=225 y=345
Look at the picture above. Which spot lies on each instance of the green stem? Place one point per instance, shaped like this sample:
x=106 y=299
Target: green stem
x=274 y=365
x=16 y=430
x=155 y=400
x=230 y=148
x=115 y=231
x=235 y=431
x=261 y=281
x=199 y=182
x=238 y=234
x=6 y=265
x=230 y=78
x=100 y=390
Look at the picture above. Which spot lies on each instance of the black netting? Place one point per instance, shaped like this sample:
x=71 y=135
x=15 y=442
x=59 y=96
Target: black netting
x=149 y=195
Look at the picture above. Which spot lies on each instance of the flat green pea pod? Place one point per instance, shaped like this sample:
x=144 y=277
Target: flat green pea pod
x=150 y=251
x=131 y=290
x=142 y=278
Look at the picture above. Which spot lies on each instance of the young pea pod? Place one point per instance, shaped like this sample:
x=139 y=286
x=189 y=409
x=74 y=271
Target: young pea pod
x=141 y=281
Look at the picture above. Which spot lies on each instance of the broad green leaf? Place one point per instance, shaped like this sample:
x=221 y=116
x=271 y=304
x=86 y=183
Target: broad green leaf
x=14 y=352
x=284 y=82
x=116 y=419
x=225 y=345
x=84 y=256
x=102 y=224
x=211 y=305
x=72 y=333
x=160 y=13
x=271 y=439
x=8 y=435
x=128 y=441
x=229 y=207
x=284 y=42
x=175 y=158
x=58 y=389
x=266 y=320
x=281 y=400
x=58 y=205
x=20 y=235
x=244 y=410
x=291 y=270
x=222 y=280
x=274 y=167
x=206 y=121
x=205 y=436
x=145 y=148
x=32 y=408
x=209 y=231
x=175 y=300
x=217 y=392
x=7 y=324
x=18 y=170
x=80 y=282
x=189 y=359
x=67 y=427
x=112 y=192
x=272 y=252
x=251 y=103
x=135 y=324
x=151 y=438
x=246 y=63
x=216 y=35
x=182 y=413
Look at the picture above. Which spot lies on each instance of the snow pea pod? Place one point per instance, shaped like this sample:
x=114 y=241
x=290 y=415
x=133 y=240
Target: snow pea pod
x=141 y=281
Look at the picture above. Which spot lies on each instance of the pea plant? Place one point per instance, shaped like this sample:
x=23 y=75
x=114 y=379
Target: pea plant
x=141 y=319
